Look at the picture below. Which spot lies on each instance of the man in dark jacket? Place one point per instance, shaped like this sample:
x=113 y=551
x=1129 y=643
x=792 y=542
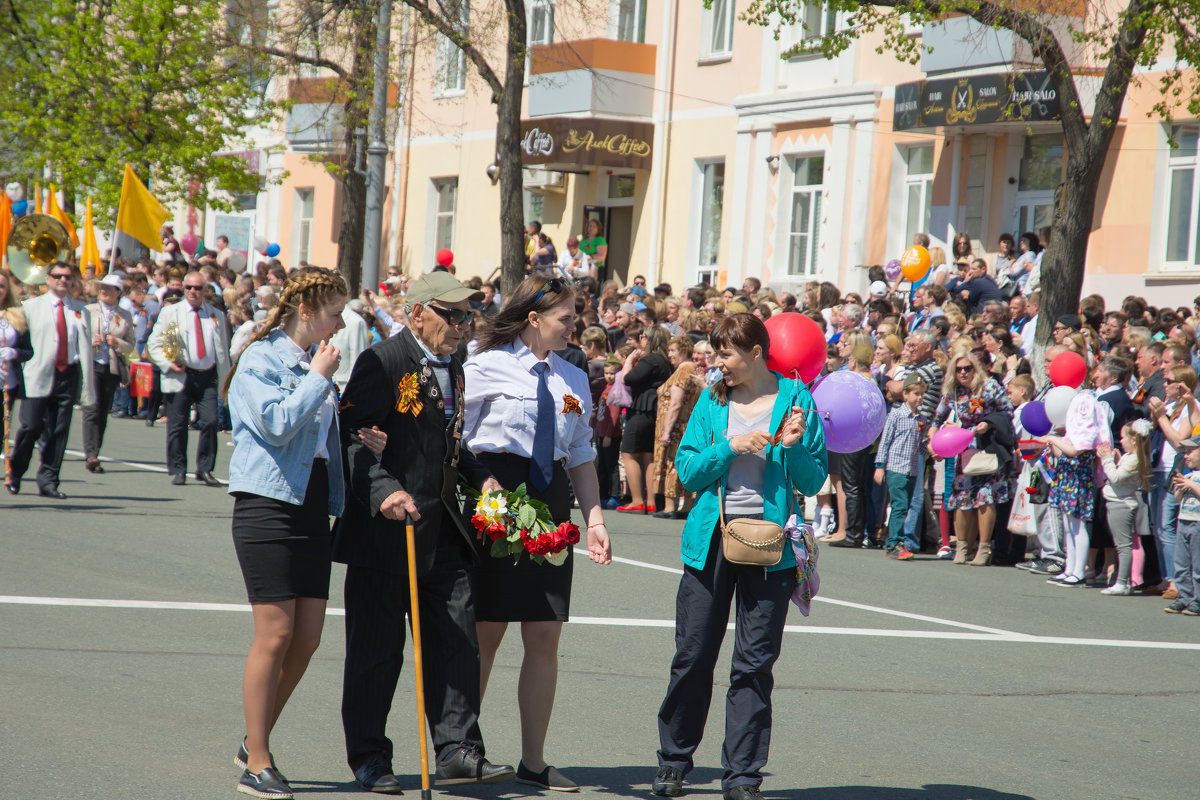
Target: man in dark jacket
x=411 y=387
x=979 y=287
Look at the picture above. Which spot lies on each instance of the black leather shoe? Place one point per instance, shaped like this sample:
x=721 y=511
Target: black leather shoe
x=243 y=755
x=377 y=777
x=178 y=480
x=742 y=793
x=847 y=542
x=549 y=778
x=268 y=784
x=207 y=479
x=53 y=494
x=467 y=765
x=149 y=423
x=14 y=487
x=668 y=782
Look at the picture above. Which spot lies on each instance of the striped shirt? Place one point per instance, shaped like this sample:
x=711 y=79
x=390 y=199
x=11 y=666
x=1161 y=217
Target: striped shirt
x=931 y=376
x=900 y=443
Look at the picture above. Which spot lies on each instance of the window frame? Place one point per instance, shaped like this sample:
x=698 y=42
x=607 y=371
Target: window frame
x=925 y=181
x=441 y=216
x=638 y=20
x=449 y=56
x=723 y=51
x=1181 y=161
x=816 y=191
x=304 y=225
x=705 y=170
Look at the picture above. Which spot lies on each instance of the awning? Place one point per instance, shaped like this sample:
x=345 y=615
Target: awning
x=982 y=99
x=573 y=144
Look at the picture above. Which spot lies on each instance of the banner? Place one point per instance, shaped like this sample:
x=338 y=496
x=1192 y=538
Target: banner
x=975 y=100
x=587 y=142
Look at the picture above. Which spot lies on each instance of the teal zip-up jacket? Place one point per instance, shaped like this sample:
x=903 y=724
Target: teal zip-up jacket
x=704 y=458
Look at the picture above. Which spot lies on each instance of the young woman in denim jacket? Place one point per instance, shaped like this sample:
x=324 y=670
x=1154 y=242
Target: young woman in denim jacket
x=286 y=478
x=744 y=437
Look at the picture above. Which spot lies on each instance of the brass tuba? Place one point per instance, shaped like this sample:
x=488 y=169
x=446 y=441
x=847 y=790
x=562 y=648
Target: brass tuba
x=36 y=241
x=172 y=343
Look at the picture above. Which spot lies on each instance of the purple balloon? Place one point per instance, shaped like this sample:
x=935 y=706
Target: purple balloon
x=851 y=408
x=1034 y=418
x=892 y=269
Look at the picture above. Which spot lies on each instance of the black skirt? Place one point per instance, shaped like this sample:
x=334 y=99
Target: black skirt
x=526 y=591
x=638 y=433
x=285 y=549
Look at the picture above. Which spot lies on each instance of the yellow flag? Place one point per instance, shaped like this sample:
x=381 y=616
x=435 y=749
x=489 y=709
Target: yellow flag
x=91 y=251
x=53 y=210
x=140 y=214
x=37 y=198
x=6 y=223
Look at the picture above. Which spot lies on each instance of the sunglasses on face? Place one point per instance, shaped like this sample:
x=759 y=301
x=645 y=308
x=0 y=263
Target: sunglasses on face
x=555 y=285
x=453 y=316
x=964 y=369
x=193 y=288
x=59 y=276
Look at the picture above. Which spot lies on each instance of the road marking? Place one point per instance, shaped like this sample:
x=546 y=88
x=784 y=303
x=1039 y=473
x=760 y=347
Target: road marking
x=628 y=622
x=134 y=464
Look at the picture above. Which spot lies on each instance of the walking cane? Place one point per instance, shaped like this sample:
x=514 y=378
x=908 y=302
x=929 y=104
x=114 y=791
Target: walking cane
x=418 y=663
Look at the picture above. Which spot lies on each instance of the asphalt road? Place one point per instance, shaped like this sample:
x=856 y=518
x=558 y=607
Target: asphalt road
x=124 y=632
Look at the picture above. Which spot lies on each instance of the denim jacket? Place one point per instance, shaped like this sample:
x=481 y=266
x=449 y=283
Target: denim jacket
x=704 y=458
x=275 y=402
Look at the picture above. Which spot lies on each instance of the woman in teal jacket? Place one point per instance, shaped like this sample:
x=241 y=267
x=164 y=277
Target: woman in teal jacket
x=742 y=439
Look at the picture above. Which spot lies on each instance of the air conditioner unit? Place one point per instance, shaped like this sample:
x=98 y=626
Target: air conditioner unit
x=543 y=180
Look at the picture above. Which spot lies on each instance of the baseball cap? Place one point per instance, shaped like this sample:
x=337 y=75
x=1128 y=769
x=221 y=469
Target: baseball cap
x=113 y=281
x=640 y=291
x=1189 y=443
x=878 y=289
x=639 y=306
x=1070 y=321
x=439 y=286
x=912 y=379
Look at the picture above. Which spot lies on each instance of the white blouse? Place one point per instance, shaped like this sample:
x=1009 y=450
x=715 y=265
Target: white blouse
x=8 y=354
x=501 y=404
x=328 y=408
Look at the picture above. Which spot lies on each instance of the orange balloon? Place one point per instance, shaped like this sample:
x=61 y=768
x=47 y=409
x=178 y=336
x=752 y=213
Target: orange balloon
x=915 y=263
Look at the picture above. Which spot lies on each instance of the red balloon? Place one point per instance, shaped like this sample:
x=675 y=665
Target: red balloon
x=1068 y=369
x=797 y=346
x=445 y=256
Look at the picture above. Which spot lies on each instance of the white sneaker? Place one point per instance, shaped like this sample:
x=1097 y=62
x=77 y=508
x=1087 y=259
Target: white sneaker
x=945 y=553
x=1118 y=589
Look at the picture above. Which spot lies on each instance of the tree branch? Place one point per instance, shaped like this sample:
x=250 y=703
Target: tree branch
x=1126 y=44
x=292 y=57
x=472 y=52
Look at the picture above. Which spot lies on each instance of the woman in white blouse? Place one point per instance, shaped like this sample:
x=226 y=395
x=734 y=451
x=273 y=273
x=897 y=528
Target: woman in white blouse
x=527 y=414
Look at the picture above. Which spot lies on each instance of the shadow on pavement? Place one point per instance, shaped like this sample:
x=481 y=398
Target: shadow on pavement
x=936 y=791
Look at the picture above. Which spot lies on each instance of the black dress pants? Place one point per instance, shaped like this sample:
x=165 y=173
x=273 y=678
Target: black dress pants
x=49 y=416
x=701 y=617
x=199 y=390
x=377 y=604
x=95 y=417
x=857 y=489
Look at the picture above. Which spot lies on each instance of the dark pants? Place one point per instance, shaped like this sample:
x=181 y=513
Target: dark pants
x=855 y=485
x=376 y=606
x=701 y=617
x=607 y=474
x=155 y=400
x=51 y=416
x=200 y=390
x=95 y=417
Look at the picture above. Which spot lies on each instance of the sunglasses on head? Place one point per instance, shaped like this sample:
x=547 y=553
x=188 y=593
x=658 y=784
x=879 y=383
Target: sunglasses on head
x=555 y=285
x=453 y=316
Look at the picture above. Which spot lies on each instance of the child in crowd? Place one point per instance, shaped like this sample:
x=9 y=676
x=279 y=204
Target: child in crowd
x=1187 y=535
x=896 y=462
x=608 y=435
x=1128 y=477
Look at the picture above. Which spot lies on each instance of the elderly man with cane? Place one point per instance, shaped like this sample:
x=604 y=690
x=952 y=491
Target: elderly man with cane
x=411 y=386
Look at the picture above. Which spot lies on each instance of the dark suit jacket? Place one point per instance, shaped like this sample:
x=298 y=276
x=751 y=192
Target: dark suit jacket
x=1153 y=386
x=424 y=457
x=1123 y=412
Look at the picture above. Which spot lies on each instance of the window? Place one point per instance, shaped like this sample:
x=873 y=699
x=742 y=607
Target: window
x=621 y=187
x=631 y=20
x=1183 y=213
x=304 y=223
x=818 y=21
x=712 y=199
x=804 y=231
x=717 y=37
x=541 y=22
x=450 y=60
x=1041 y=163
x=447 y=196
x=918 y=186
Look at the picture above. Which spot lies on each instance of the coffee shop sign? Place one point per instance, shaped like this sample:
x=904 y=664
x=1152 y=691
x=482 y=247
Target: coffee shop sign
x=615 y=143
x=538 y=142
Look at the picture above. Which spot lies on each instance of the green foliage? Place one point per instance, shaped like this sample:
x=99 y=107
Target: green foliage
x=86 y=86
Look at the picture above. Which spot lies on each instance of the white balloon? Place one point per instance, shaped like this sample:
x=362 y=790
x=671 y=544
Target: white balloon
x=1058 y=402
x=261 y=244
x=15 y=191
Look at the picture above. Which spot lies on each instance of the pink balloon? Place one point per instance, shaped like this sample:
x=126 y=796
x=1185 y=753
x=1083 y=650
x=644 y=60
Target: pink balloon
x=892 y=269
x=951 y=441
x=188 y=243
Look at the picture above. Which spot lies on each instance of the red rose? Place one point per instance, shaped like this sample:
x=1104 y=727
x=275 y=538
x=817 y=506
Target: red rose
x=538 y=545
x=479 y=521
x=569 y=532
x=496 y=531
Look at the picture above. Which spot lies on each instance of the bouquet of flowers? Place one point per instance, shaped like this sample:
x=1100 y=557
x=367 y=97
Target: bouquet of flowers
x=516 y=523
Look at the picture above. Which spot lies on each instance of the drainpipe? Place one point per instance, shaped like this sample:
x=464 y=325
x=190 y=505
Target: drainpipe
x=662 y=142
x=955 y=180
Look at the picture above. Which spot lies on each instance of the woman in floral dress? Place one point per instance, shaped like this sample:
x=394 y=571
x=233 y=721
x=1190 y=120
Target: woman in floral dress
x=969 y=396
x=676 y=398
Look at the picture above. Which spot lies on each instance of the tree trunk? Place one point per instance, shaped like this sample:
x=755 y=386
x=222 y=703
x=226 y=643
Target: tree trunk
x=354 y=185
x=508 y=149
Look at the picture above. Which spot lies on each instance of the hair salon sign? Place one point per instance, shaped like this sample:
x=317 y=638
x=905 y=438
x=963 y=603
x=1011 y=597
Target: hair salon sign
x=573 y=142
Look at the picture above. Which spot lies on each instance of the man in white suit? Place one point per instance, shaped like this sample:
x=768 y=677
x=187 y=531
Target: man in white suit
x=112 y=339
x=58 y=376
x=195 y=380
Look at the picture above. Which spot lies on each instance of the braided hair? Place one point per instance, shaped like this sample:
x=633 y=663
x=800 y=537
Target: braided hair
x=314 y=287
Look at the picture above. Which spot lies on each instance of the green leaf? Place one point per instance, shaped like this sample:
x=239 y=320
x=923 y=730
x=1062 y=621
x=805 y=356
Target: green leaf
x=527 y=517
x=499 y=548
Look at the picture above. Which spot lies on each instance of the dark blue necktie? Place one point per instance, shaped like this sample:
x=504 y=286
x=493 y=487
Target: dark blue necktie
x=541 y=468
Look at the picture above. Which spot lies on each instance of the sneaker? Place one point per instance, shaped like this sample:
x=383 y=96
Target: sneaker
x=1193 y=609
x=1117 y=589
x=1027 y=565
x=904 y=554
x=1070 y=583
x=891 y=552
x=945 y=553
x=1045 y=566
x=268 y=784
x=611 y=504
x=668 y=782
x=1176 y=607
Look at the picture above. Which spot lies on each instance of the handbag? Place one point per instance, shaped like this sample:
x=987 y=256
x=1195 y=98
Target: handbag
x=1020 y=519
x=976 y=463
x=619 y=394
x=753 y=542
